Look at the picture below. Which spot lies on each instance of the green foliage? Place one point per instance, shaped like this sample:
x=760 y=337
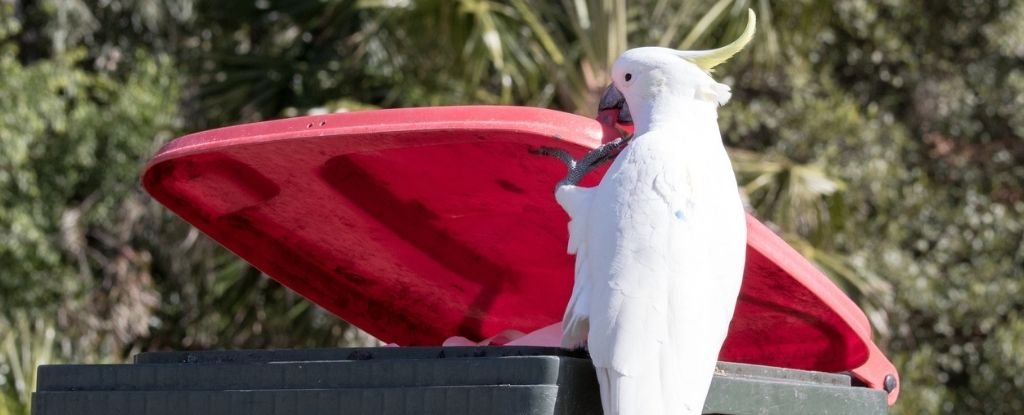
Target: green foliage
x=882 y=139
x=29 y=343
x=73 y=139
x=70 y=139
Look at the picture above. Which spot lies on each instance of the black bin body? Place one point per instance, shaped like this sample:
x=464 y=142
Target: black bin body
x=385 y=381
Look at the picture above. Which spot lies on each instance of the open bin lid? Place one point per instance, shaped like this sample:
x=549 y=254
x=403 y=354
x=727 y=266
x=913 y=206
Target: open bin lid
x=421 y=224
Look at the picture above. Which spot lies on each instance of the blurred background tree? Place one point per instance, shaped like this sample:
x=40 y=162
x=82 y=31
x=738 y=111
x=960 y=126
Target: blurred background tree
x=883 y=139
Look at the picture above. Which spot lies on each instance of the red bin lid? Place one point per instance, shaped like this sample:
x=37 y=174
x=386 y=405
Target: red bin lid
x=421 y=224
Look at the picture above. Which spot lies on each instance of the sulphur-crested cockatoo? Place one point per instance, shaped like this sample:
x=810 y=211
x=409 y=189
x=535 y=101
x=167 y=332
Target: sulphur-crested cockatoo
x=660 y=242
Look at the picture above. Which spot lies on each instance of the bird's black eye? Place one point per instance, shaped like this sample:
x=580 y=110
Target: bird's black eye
x=629 y=76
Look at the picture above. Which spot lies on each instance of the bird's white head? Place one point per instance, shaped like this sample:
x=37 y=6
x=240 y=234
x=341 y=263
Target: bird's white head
x=654 y=76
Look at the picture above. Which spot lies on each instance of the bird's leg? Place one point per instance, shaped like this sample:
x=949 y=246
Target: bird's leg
x=579 y=168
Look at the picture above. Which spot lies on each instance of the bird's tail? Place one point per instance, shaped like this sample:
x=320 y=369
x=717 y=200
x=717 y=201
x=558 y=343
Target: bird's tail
x=610 y=385
x=629 y=395
x=671 y=384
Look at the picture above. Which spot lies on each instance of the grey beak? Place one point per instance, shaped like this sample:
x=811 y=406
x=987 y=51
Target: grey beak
x=613 y=99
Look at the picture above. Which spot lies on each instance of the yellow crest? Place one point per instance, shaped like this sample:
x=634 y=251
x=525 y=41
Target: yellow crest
x=707 y=59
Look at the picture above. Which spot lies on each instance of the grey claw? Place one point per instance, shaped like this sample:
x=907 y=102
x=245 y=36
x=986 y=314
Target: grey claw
x=557 y=153
x=602 y=153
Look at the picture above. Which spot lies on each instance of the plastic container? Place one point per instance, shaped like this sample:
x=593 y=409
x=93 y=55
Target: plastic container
x=421 y=224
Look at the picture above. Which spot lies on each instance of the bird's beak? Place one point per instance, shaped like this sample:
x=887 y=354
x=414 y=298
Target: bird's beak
x=613 y=114
x=612 y=99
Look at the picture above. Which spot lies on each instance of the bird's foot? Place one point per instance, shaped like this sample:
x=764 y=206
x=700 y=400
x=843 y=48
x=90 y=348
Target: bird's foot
x=592 y=160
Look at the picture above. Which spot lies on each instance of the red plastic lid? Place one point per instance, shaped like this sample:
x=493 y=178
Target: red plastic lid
x=421 y=224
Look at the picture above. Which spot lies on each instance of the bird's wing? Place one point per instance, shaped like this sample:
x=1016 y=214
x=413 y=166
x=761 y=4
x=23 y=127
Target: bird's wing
x=576 y=202
x=575 y=322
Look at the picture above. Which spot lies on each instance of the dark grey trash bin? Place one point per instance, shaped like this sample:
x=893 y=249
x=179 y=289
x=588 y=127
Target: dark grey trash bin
x=381 y=381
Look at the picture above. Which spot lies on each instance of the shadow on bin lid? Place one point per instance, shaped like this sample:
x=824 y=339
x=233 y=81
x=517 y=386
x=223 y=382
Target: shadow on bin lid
x=421 y=224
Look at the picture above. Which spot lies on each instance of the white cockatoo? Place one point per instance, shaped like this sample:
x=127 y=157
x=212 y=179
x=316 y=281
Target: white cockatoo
x=660 y=242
